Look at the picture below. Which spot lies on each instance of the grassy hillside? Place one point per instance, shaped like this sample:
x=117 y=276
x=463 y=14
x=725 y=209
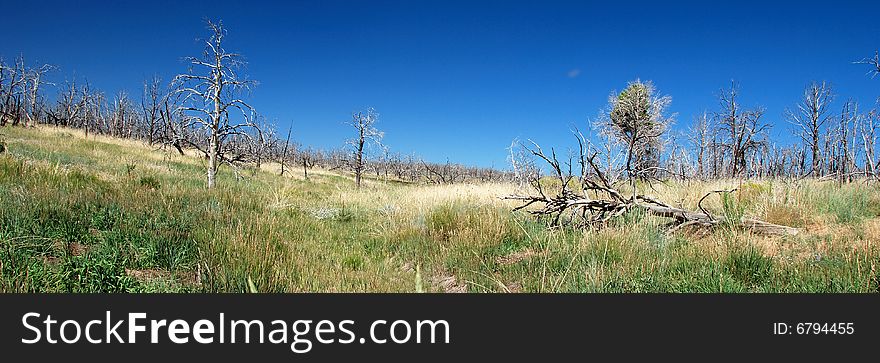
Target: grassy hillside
x=84 y=214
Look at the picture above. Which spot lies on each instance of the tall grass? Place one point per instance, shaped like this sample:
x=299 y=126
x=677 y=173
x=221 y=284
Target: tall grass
x=95 y=214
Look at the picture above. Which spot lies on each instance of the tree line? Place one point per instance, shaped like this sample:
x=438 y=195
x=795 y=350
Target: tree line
x=632 y=140
x=206 y=109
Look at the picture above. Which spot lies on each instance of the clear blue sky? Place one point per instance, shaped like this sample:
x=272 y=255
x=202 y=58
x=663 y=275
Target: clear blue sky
x=459 y=80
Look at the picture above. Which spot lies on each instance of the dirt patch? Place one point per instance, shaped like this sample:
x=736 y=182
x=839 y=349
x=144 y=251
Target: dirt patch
x=517 y=257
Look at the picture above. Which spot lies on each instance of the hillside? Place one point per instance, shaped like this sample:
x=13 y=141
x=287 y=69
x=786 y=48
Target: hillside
x=96 y=214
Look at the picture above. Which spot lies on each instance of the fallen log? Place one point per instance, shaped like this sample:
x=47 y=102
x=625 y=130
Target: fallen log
x=604 y=210
x=608 y=203
x=705 y=220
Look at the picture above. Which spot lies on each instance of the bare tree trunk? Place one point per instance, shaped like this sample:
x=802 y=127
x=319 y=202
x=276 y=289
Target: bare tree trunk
x=305 y=168
x=359 y=162
x=212 y=160
x=284 y=152
x=363 y=122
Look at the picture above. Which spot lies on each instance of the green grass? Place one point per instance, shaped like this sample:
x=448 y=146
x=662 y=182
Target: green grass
x=96 y=215
x=848 y=205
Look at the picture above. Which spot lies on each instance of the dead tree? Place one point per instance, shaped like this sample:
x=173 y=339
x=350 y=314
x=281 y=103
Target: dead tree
x=841 y=157
x=122 y=116
x=701 y=136
x=283 y=159
x=79 y=107
x=395 y=163
x=151 y=105
x=524 y=168
x=211 y=96
x=678 y=164
x=307 y=160
x=810 y=118
x=872 y=63
x=868 y=126
x=594 y=201
x=173 y=134
x=442 y=174
x=4 y=71
x=10 y=105
x=385 y=162
x=264 y=141
x=741 y=130
x=35 y=79
x=363 y=123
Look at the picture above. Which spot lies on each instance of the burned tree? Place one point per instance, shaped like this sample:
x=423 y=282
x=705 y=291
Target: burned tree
x=701 y=136
x=77 y=107
x=151 y=107
x=742 y=131
x=122 y=118
x=170 y=115
x=283 y=157
x=261 y=145
x=363 y=123
x=20 y=97
x=810 y=118
x=307 y=160
x=867 y=128
x=211 y=96
x=677 y=163
x=442 y=173
x=839 y=154
x=36 y=79
x=524 y=168
x=13 y=82
x=872 y=63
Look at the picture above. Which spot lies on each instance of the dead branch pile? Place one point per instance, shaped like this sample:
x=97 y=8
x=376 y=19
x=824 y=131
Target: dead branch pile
x=591 y=201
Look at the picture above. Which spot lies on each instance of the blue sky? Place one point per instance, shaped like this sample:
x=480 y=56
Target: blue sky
x=460 y=79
